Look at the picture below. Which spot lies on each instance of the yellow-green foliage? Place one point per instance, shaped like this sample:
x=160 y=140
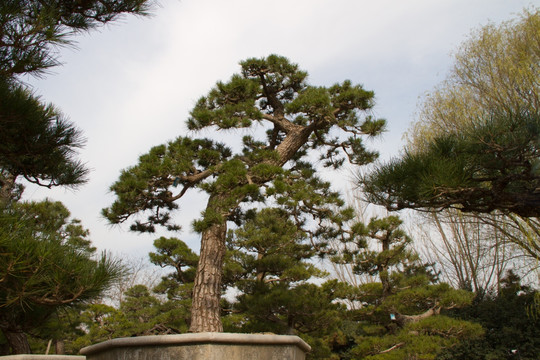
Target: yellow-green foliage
x=497 y=68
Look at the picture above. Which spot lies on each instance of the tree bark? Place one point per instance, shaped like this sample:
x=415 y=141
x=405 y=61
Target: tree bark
x=18 y=341
x=60 y=347
x=205 y=310
x=406 y=319
x=383 y=270
x=7 y=185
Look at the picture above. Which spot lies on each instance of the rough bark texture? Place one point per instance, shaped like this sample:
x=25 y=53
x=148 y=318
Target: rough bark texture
x=7 y=185
x=383 y=271
x=205 y=311
x=60 y=347
x=18 y=341
x=406 y=319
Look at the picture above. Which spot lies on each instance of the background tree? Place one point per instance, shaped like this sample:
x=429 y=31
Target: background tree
x=37 y=142
x=177 y=285
x=497 y=68
x=174 y=253
x=141 y=310
x=474 y=252
x=511 y=329
x=57 y=334
x=297 y=117
x=47 y=264
x=475 y=144
x=31 y=30
x=400 y=314
x=280 y=289
x=137 y=271
x=487 y=166
x=139 y=313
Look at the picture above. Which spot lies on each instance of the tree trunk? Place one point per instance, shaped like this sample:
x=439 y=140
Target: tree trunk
x=60 y=347
x=205 y=310
x=18 y=341
x=384 y=271
x=7 y=186
x=406 y=319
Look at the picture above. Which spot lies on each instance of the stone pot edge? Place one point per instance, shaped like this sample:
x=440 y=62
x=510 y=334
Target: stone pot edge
x=198 y=338
x=42 y=357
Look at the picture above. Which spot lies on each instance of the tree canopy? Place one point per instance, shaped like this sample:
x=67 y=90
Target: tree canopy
x=30 y=30
x=476 y=145
x=299 y=119
x=490 y=165
x=37 y=142
x=47 y=264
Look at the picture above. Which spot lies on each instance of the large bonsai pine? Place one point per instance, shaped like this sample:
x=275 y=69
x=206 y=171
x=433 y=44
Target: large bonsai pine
x=299 y=119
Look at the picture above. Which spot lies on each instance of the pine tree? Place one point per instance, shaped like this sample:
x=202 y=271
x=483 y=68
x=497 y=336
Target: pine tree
x=47 y=264
x=400 y=312
x=271 y=265
x=475 y=145
x=177 y=285
x=510 y=320
x=37 y=142
x=299 y=119
x=30 y=30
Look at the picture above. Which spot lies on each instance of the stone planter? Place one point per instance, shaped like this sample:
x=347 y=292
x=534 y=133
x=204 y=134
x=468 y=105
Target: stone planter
x=200 y=346
x=42 y=357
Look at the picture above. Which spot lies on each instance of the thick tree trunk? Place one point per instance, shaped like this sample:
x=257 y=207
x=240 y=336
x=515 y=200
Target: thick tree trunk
x=18 y=341
x=60 y=347
x=7 y=185
x=205 y=310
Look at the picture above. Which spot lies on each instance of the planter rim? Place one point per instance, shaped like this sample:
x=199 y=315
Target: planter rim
x=198 y=338
x=41 y=357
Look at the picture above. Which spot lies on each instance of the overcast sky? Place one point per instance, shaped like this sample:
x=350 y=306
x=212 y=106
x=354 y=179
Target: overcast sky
x=130 y=85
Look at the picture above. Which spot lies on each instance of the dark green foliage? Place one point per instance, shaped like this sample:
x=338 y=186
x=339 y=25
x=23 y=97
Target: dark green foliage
x=143 y=312
x=139 y=314
x=270 y=263
x=148 y=186
x=510 y=330
x=172 y=252
x=270 y=91
x=397 y=314
x=47 y=264
x=271 y=245
x=60 y=331
x=36 y=141
x=491 y=164
x=178 y=285
x=30 y=30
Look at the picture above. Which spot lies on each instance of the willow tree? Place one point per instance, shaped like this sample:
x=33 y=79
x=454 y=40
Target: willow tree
x=269 y=93
x=475 y=145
